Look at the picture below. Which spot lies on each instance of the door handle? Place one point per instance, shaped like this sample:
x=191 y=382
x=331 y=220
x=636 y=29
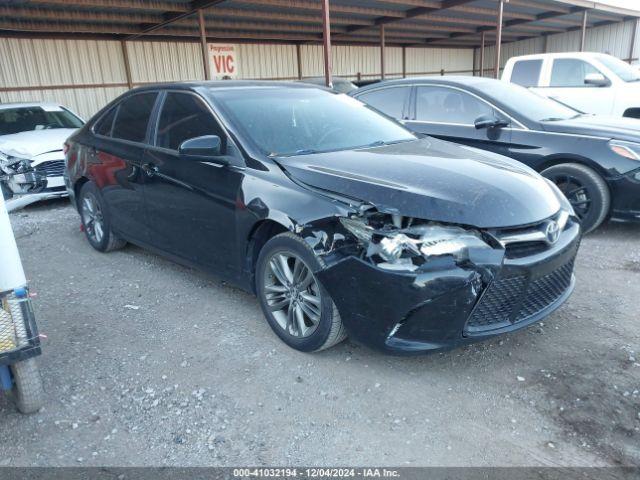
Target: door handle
x=150 y=169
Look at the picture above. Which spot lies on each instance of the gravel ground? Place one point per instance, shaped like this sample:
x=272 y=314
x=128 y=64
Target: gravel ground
x=150 y=363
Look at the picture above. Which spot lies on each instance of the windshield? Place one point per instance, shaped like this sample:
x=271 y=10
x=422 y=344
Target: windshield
x=25 y=119
x=619 y=68
x=527 y=103
x=296 y=121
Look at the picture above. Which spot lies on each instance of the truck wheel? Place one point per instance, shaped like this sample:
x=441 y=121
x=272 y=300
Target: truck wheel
x=27 y=389
x=586 y=191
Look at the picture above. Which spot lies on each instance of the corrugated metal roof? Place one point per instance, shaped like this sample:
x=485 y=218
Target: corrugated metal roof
x=408 y=22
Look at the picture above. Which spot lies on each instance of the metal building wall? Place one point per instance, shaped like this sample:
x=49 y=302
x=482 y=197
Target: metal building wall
x=431 y=61
x=30 y=65
x=84 y=75
x=614 y=39
x=153 y=62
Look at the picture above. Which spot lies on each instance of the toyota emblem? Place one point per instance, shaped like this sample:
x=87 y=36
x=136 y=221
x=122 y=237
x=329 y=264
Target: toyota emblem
x=552 y=232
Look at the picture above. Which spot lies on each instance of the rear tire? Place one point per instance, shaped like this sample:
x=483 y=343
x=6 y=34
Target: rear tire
x=96 y=220
x=586 y=191
x=314 y=323
x=27 y=389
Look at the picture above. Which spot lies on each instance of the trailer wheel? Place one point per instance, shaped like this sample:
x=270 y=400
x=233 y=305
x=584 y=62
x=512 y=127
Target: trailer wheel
x=27 y=389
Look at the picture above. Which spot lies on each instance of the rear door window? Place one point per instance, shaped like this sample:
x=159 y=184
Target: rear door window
x=104 y=125
x=570 y=72
x=184 y=116
x=449 y=105
x=526 y=72
x=389 y=101
x=133 y=117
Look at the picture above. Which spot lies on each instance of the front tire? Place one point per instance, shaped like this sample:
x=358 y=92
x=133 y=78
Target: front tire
x=586 y=191
x=27 y=389
x=96 y=221
x=297 y=307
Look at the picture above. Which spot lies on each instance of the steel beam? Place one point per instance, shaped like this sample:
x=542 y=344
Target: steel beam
x=382 y=73
x=499 y=38
x=326 y=41
x=127 y=64
x=482 y=45
x=583 y=30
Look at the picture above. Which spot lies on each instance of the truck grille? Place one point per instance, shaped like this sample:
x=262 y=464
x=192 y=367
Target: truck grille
x=54 y=168
x=515 y=299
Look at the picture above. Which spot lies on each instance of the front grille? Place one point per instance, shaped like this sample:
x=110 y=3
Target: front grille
x=525 y=249
x=546 y=290
x=514 y=299
x=54 y=168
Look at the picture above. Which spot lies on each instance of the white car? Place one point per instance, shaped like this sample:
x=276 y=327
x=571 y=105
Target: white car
x=589 y=82
x=32 y=137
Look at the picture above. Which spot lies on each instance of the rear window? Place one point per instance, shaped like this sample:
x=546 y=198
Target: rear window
x=133 y=117
x=103 y=127
x=526 y=72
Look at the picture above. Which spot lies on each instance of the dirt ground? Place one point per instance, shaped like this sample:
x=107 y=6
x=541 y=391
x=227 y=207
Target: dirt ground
x=150 y=363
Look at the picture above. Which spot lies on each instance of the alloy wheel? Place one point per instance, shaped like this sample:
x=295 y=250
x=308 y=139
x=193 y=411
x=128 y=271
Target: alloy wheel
x=92 y=218
x=576 y=193
x=292 y=294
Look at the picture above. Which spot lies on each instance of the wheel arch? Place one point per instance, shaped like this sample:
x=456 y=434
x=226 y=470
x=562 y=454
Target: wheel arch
x=261 y=232
x=77 y=186
x=559 y=159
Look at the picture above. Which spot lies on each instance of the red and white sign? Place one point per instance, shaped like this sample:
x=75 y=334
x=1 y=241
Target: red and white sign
x=223 y=60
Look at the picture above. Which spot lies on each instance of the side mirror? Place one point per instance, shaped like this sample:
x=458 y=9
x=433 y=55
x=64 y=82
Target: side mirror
x=596 y=80
x=201 y=148
x=490 y=121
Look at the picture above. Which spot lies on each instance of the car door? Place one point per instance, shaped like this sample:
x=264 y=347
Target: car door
x=191 y=204
x=115 y=159
x=450 y=113
x=566 y=83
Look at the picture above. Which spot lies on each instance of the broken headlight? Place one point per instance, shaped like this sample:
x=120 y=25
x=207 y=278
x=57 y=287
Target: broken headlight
x=408 y=248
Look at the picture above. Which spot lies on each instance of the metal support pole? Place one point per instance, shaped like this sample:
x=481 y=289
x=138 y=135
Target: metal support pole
x=299 y=59
x=127 y=65
x=583 y=32
x=203 y=46
x=404 y=61
x=634 y=28
x=545 y=44
x=382 y=52
x=326 y=37
x=499 y=38
x=483 y=36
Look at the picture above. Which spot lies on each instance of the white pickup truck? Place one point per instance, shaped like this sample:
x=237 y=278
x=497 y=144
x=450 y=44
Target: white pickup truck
x=589 y=82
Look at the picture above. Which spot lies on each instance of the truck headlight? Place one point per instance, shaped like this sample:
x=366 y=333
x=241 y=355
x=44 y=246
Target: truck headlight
x=409 y=248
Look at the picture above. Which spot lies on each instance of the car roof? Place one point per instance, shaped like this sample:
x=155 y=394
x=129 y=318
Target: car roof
x=224 y=85
x=5 y=106
x=557 y=55
x=442 y=80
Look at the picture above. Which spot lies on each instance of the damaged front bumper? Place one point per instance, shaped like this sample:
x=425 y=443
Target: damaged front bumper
x=450 y=304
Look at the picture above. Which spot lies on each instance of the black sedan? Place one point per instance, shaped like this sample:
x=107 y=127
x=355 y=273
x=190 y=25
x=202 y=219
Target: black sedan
x=338 y=218
x=594 y=160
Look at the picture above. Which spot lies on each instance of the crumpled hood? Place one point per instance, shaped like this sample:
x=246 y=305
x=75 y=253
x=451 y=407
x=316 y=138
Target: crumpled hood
x=620 y=128
x=432 y=180
x=34 y=142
